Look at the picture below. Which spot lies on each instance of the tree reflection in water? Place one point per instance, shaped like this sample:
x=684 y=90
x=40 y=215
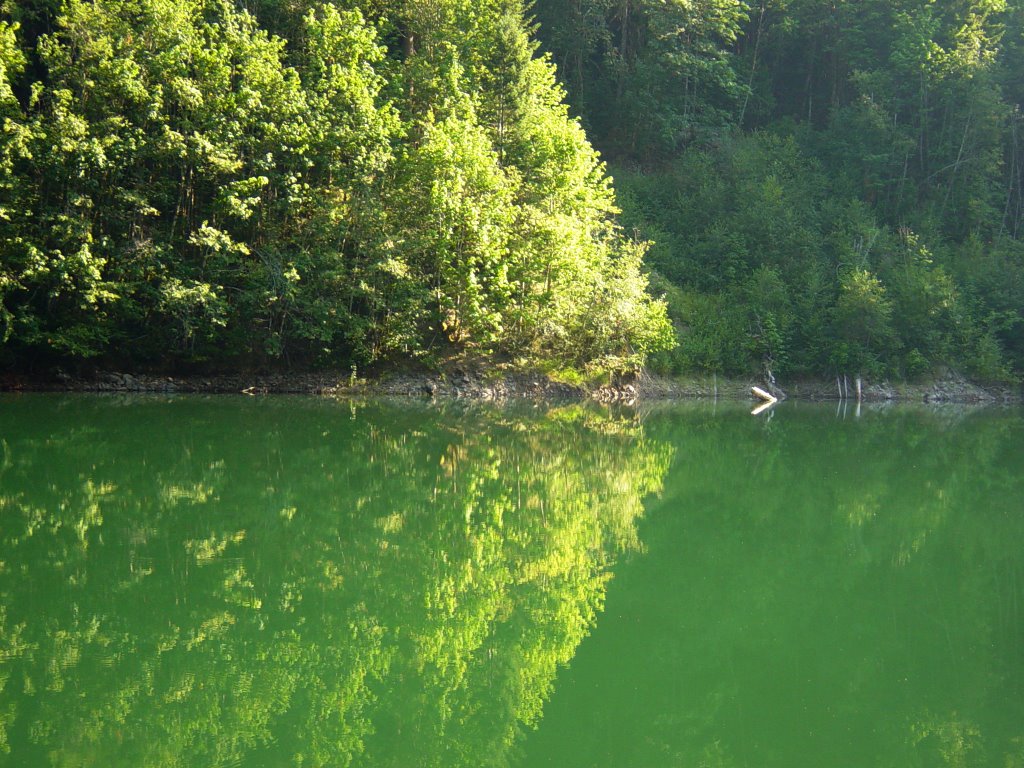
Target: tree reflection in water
x=300 y=582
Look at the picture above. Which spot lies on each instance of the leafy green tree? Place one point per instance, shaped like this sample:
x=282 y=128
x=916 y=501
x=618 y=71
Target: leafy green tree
x=305 y=184
x=455 y=204
x=863 y=323
x=500 y=229
x=12 y=63
x=649 y=77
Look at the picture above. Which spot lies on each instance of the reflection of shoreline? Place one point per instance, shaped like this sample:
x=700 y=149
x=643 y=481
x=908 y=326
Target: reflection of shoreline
x=941 y=412
x=303 y=577
x=500 y=384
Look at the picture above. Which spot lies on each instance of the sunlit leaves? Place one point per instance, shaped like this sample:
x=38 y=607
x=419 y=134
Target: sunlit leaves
x=194 y=182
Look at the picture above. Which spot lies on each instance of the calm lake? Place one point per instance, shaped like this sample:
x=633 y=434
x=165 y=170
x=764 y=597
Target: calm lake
x=285 y=581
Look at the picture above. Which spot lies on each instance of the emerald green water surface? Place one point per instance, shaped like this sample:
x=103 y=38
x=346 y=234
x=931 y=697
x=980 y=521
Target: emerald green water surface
x=232 y=581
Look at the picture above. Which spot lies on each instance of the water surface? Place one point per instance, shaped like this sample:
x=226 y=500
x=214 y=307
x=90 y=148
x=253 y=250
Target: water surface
x=222 y=581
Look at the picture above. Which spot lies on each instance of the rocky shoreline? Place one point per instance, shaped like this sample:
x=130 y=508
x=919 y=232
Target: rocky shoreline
x=948 y=388
x=456 y=383
x=484 y=384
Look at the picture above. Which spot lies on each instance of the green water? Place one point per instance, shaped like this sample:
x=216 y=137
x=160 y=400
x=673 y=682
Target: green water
x=301 y=582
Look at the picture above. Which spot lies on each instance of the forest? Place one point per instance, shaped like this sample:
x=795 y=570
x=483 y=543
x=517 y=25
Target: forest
x=828 y=186
x=782 y=187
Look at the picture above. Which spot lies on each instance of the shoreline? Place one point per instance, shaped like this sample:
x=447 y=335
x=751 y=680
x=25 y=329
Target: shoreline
x=495 y=385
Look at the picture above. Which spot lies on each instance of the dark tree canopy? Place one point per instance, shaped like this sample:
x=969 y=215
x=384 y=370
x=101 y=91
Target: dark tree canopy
x=831 y=187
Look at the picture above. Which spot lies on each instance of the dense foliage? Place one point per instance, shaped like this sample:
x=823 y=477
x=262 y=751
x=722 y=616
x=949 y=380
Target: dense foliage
x=302 y=182
x=832 y=187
